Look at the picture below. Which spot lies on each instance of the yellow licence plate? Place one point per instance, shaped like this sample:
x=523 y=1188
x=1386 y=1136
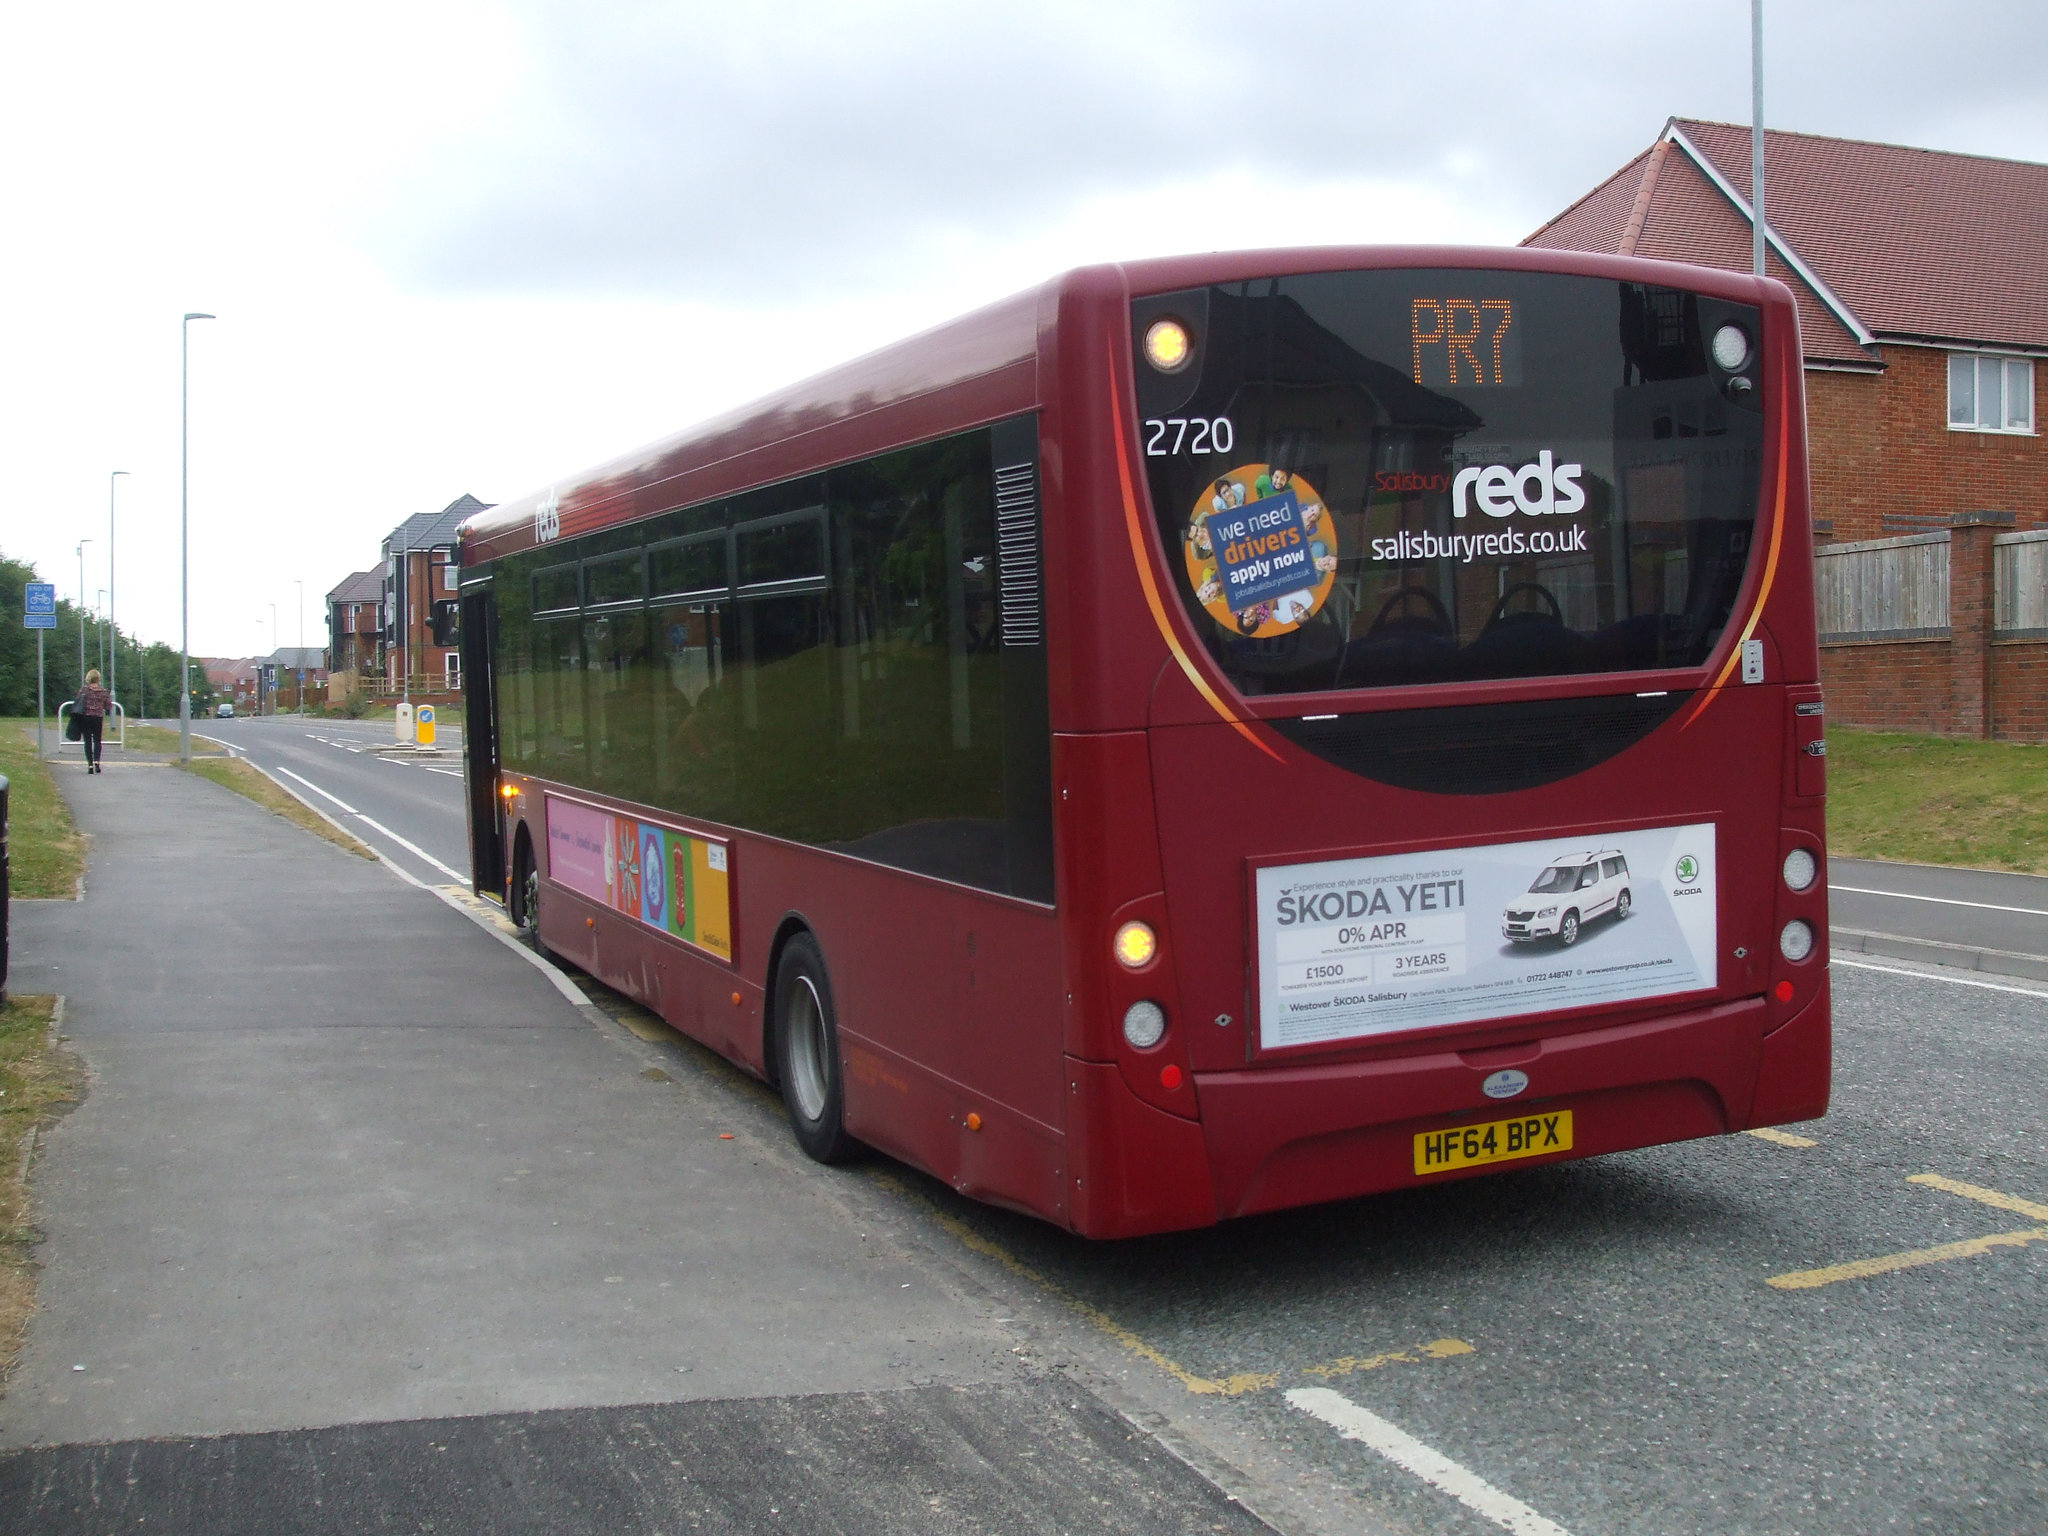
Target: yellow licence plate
x=1497 y=1141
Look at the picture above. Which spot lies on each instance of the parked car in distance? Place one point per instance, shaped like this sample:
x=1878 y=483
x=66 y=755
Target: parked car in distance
x=224 y=711
x=1578 y=887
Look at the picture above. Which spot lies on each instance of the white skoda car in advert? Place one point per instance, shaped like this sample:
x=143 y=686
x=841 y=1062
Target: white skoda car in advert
x=1570 y=893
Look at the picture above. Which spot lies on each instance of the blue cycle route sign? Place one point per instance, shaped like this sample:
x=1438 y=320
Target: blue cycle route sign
x=39 y=604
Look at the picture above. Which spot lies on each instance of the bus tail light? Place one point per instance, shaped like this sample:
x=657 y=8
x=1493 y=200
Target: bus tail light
x=1800 y=869
x=1144 y=1025
x=1795 y=940
x=1135 y=945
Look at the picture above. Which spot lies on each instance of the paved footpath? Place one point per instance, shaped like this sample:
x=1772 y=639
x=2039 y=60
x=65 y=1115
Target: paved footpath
x=363 y=1226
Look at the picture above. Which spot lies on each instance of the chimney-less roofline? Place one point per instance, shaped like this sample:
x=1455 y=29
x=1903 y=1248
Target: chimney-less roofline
x=1677 y=135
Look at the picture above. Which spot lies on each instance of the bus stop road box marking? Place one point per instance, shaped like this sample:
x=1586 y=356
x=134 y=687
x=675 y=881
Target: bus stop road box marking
x=1349 y=948
x=668 y=879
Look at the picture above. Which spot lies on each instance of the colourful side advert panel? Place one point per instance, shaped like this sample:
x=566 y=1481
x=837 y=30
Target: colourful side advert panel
x=1356 y=947
x=666 y=879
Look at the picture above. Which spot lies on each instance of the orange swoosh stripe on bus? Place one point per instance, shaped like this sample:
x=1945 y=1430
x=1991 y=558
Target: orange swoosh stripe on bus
x=1756 y=611
x=1144 y=565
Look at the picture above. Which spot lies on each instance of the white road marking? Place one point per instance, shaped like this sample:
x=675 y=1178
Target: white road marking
x=1411 y=1455
x=1954 y=981
x=319 y=791
x=1941 y=901
x=413 y=848
x=453 y=773
x=410 y=847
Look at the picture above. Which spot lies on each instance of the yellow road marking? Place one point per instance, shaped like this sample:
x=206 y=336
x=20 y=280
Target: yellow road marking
x=1201 y=1386
x=1808 y=1279
x=1780 y=1138
x=1969 y=1248
x=1982 y=1195
x=1351 y=1365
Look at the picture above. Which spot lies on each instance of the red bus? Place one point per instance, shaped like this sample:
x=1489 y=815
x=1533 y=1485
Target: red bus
x=1204 y=736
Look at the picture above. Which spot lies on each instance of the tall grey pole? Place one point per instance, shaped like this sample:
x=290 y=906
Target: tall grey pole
x=184 y=536
x=39 y=696
x=300 y=667
x=1756 y=135
x=114 y=650
x=81 y=610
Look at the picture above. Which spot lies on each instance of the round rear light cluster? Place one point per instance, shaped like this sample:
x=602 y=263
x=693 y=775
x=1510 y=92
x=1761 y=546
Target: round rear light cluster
x=1800 y=869
x=1144 y=1025
x=1795 y=940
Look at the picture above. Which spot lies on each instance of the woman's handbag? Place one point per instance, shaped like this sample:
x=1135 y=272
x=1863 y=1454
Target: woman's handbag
x=74 y=727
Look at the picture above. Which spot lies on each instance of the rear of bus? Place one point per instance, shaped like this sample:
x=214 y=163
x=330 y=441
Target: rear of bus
x=1448 y=797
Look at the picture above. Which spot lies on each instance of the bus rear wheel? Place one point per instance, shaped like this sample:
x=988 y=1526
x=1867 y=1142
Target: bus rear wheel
x=807 y=1053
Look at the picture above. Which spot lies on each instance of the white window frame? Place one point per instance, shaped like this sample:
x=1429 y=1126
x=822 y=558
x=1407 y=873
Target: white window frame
x=452 y=670
x=2010 y=372
x=450 y=576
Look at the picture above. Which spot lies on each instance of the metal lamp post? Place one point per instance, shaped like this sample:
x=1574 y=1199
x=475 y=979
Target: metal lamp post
x=184 y=535
x=81 y=610
x=114 y=650
x=299 y=661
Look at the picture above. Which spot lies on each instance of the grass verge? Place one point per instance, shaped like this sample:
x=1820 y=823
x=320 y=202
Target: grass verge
x=46 y=852
x=164 y=738
x=36 y=1075
x=250 y=781
x=1932 y=800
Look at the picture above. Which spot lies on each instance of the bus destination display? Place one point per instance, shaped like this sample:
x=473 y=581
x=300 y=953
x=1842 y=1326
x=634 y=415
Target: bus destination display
x=1356 y=947
x=1459 y=343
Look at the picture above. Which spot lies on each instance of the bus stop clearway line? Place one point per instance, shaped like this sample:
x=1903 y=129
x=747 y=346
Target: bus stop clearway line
x=1968 y=1248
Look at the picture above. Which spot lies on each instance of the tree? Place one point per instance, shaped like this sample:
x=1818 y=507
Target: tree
x=147 y=675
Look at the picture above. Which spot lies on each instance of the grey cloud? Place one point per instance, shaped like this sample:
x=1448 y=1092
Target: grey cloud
x=745 y=152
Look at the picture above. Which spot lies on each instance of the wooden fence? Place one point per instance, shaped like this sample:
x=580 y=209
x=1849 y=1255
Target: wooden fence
x=1884 y=589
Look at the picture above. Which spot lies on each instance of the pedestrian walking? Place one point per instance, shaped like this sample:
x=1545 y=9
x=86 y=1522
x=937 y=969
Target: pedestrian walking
x=91 y=707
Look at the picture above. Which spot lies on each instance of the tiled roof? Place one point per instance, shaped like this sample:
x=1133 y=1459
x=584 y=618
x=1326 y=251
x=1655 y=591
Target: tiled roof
x=291 y=657
x=433 y=530
x=360 y=587
x=1912 y=242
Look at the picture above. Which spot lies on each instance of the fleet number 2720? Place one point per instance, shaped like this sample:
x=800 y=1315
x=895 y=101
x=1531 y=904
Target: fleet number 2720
x=1188 y=434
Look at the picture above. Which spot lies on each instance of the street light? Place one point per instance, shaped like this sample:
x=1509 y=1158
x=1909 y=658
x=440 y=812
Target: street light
x=300 y=660
x=114 y=652
x=99 y=613
x=81 y=610
x=184 y=535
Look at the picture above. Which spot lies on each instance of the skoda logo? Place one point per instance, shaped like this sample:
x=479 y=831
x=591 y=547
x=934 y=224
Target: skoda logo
x=1688 y=868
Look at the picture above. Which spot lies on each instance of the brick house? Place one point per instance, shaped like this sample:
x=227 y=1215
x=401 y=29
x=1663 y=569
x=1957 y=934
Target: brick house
x=1922 y=285
x=355 y=629
x=418 y=585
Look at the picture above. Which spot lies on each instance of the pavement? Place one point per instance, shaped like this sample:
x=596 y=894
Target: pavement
x=363 y=1225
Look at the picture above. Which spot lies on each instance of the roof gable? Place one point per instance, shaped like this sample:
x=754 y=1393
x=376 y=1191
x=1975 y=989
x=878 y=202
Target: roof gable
x=1875 y=240
x=1917 y=242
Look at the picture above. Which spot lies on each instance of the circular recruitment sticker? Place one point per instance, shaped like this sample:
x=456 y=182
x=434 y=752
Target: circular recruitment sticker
x=1261 y=550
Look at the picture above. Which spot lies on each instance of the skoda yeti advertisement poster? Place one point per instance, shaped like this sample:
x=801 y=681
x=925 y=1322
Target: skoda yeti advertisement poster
x=1357 y=947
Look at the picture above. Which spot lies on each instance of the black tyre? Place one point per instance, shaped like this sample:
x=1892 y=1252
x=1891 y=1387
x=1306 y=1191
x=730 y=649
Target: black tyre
x=807 y=1059
x=1622 y=904
x=526 y=895
x=1568 y=930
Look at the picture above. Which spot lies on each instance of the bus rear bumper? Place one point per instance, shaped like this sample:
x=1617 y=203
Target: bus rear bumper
x=1290 y=1136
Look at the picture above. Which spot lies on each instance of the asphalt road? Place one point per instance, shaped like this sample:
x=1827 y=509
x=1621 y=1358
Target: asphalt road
x=409 y=808
x=1977 y=919
x=1835 y=1328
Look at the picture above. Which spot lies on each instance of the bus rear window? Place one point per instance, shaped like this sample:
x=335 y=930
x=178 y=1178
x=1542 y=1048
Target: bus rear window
x=1368 y=479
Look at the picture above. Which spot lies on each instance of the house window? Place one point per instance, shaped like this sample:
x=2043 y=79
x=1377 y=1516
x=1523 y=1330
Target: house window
x=1990 y=394
x=454 y=660
x=449 y=573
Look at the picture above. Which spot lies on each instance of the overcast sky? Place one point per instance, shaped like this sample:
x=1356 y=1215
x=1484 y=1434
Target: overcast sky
x=468 y=245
